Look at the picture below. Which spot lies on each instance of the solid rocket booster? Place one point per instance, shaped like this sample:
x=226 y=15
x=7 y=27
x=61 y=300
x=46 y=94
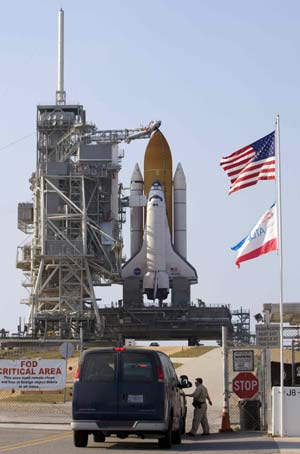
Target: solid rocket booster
x=136 y=211
x=158 y=166
x=179 y=187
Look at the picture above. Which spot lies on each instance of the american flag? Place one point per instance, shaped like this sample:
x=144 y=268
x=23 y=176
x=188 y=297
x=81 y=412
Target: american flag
x=250 y=164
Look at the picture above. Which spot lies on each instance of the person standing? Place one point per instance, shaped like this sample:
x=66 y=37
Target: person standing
x=200 y=396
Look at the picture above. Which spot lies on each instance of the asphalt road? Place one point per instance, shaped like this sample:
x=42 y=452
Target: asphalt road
x=29 y=441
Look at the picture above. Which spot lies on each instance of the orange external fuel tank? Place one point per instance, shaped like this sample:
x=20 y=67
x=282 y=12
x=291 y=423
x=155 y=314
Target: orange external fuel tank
x=158 y=166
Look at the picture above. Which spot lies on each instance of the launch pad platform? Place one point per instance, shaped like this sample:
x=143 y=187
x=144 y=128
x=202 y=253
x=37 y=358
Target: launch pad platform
x=191 y=323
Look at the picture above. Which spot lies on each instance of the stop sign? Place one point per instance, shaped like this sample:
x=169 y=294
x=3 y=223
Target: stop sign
x=245 y=385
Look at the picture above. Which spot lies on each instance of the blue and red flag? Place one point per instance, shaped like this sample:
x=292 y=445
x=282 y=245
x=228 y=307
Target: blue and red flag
x=261 y=240
x=250 y=164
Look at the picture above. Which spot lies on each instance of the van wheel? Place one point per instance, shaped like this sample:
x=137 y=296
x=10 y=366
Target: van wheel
x=166 y=441
x=80 y=438
x=176 y=434
x=99 y=437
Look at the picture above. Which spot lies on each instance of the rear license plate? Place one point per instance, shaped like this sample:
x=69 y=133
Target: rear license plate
x=135 y=398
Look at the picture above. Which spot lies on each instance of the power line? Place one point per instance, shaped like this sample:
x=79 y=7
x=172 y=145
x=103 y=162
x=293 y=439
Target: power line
x=17 y=141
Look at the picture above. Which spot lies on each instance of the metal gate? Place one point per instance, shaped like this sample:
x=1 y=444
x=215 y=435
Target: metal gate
x=239 y=407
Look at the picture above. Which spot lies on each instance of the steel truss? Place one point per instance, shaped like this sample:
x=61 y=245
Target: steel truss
x=75 y=221
x=70 y=251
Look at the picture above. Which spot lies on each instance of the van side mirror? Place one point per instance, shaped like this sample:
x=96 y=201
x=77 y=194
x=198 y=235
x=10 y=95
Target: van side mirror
x=184 y=382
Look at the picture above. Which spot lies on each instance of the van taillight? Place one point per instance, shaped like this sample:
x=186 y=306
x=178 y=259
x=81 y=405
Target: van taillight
x=77 y=373
x=160 y=372
x=119 y=349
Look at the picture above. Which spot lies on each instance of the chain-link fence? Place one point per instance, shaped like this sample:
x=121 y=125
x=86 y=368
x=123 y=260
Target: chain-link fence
x=291 y=358
x=239 y=408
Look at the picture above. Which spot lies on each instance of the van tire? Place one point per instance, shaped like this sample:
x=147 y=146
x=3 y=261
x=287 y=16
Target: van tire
x=166 y=441
x=80 y=438
x=176 y=434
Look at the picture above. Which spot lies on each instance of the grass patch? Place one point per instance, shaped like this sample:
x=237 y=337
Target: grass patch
x=40 y=397
x=176 y=365
x=51 y=354
x=192 y=352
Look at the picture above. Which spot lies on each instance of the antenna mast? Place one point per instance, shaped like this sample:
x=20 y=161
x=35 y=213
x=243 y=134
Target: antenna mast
x=60 y=93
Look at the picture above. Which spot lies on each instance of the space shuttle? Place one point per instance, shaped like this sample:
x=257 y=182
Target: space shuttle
x=158 y=262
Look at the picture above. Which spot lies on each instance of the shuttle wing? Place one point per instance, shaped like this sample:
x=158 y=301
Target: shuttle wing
x=136 y=266
x=177 y=266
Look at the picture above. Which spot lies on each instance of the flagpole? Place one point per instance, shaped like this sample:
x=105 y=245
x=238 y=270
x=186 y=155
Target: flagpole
x=279 y=225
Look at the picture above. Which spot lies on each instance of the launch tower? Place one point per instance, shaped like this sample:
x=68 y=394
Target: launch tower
x=75 y=218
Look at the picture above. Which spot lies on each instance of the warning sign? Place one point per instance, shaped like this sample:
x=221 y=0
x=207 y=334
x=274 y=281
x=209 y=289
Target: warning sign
x=32 y=374
x=267 y=335
x=243 y=360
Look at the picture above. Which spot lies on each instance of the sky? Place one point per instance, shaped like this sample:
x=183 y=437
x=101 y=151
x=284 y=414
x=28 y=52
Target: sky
x=215 y=73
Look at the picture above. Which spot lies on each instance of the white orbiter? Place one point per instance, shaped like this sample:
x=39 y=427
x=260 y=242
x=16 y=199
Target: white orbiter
x=155 y=260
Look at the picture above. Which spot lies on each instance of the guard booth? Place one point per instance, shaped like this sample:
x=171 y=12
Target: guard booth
x=291 y=405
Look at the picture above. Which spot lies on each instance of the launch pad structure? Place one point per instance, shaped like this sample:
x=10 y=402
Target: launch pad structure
x=75 y=227
x=75 y=218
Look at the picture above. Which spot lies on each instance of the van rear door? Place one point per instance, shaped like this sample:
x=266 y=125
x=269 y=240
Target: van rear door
x=96 y=393
x=141 y=393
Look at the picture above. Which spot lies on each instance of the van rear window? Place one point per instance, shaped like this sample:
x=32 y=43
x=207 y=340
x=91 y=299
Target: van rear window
x=137 y=367
x=99 y=368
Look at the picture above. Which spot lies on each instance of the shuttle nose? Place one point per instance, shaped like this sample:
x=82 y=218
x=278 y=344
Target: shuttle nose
x=156 y=185
x=156 y=191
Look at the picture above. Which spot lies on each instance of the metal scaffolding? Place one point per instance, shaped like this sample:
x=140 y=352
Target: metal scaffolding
x=241 y=325
x=75 y=221
x=76 y=242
